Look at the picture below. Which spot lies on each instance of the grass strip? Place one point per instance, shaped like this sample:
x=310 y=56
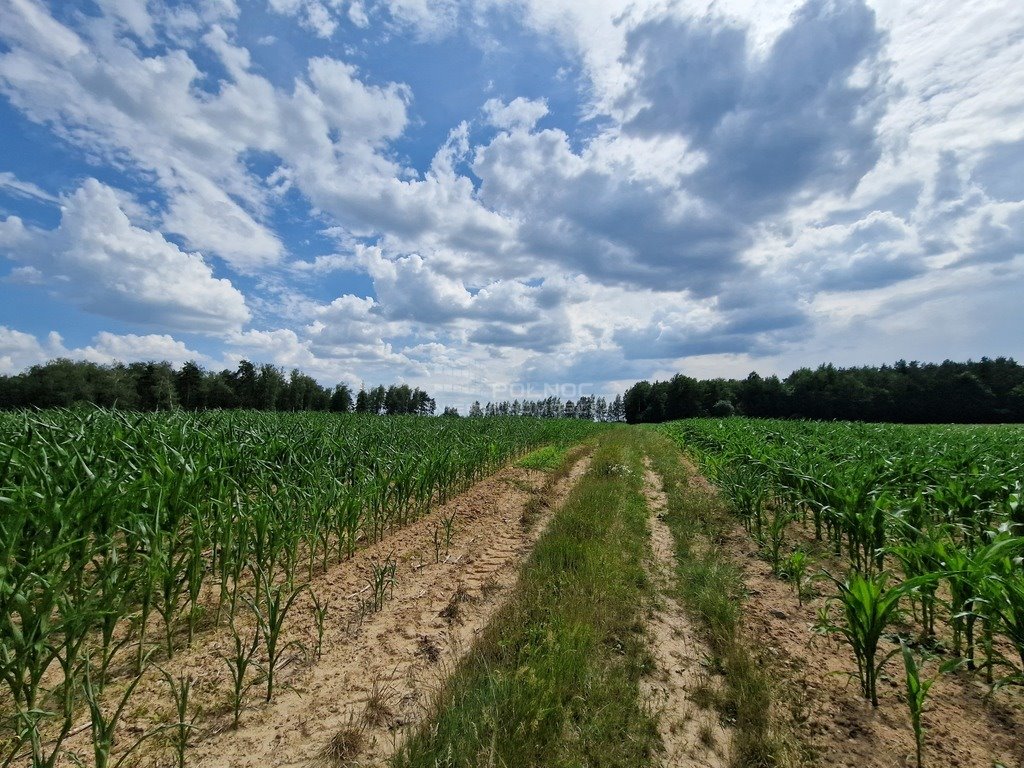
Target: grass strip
x=544 y=459
x=711 y=587
x=554 y=680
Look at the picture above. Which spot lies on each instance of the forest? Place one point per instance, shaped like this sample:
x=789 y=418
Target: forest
x=986 y=391
x=153 y=386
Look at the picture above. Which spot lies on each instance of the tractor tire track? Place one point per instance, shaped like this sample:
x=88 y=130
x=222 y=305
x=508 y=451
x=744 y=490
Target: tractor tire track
x=691 y=732
x=379 y=670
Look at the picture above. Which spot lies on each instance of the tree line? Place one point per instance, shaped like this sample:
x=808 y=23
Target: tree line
x=153 y=386
x=587 y=408
x=985 y=391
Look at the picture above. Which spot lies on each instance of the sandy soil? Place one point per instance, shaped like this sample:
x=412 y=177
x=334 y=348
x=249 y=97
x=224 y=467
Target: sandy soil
x=377 y=676
x=691 y=735
x=965 y=727
x=378 y=669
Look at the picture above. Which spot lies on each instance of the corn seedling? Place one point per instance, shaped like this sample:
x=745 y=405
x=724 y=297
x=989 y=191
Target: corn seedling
x=271 y=606
x=319 y=621
x=436 y=532
x=181 y=729
x=103 y=725
x=381 y=583
x=916 y=693
x=448 y=522
x=242 y=656
x=1008 y=606
x=774 y=537
x=869 y=605
x=795 y=569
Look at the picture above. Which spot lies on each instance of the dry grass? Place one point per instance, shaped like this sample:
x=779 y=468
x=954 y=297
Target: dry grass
x=379 y=710
x=343 y=747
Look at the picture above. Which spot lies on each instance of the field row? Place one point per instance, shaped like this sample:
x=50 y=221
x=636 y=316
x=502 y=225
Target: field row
x=930 y=516
x=122 y=536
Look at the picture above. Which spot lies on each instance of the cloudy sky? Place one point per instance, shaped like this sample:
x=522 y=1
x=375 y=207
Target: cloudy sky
x=480 y=196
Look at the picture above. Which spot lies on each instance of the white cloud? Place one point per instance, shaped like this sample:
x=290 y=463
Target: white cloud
x=98 y=260
x=312 y=14
x=518 y=113
x=109 y=348
x=19 y=351
x=12 y=185
x=101 y=94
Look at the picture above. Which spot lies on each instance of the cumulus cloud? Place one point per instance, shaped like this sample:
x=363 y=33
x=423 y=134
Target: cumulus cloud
x=803 y=119
x=312 y=14
x=518 y=113
x=97 y=259
x=103 y=95
x=19 y=350
x=112 y=348
x=510 y=313
x=752 y=323
x=427 y=19
x=347 y=323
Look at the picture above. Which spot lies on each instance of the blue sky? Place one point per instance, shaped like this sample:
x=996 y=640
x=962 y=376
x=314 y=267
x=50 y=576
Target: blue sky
x=493 y=197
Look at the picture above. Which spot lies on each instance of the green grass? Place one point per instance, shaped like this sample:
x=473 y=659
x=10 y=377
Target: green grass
x=711 y=587
x=545 y=459
x=554 y=680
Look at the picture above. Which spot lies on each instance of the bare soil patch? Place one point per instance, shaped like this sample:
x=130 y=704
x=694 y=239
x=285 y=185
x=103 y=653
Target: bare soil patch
x=677 y=689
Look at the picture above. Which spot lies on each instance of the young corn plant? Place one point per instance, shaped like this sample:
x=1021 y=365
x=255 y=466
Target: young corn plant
x=382 y=583
x=76 y=618
x=112 y=604
x=195 y=573
x=319 y=622
x=271 y=608
x=437 y=542
x=28 y=646
x=1008 y=606
x=868 y=605
x=774 y=537
x=242 y=657
x=795 y=569
x=168 y=561
x=448 y=522
x=916 y=693
x=978 y=589
x=103 y=724
x=181 y=729
x=920 y=554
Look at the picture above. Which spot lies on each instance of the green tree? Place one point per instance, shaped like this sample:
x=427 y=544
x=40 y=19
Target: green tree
x=341 y=399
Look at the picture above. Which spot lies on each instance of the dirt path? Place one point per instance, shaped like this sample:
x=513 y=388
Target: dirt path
x=691 y=734
x=379 y=669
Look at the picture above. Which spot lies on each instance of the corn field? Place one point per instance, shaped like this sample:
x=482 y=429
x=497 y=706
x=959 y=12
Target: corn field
x=929 y=517
x=123 y=536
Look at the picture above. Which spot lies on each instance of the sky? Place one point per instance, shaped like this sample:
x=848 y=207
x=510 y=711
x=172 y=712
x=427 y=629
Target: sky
x=498 y=199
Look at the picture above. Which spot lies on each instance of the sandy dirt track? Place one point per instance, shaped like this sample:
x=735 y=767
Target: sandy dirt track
x=690 y=734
